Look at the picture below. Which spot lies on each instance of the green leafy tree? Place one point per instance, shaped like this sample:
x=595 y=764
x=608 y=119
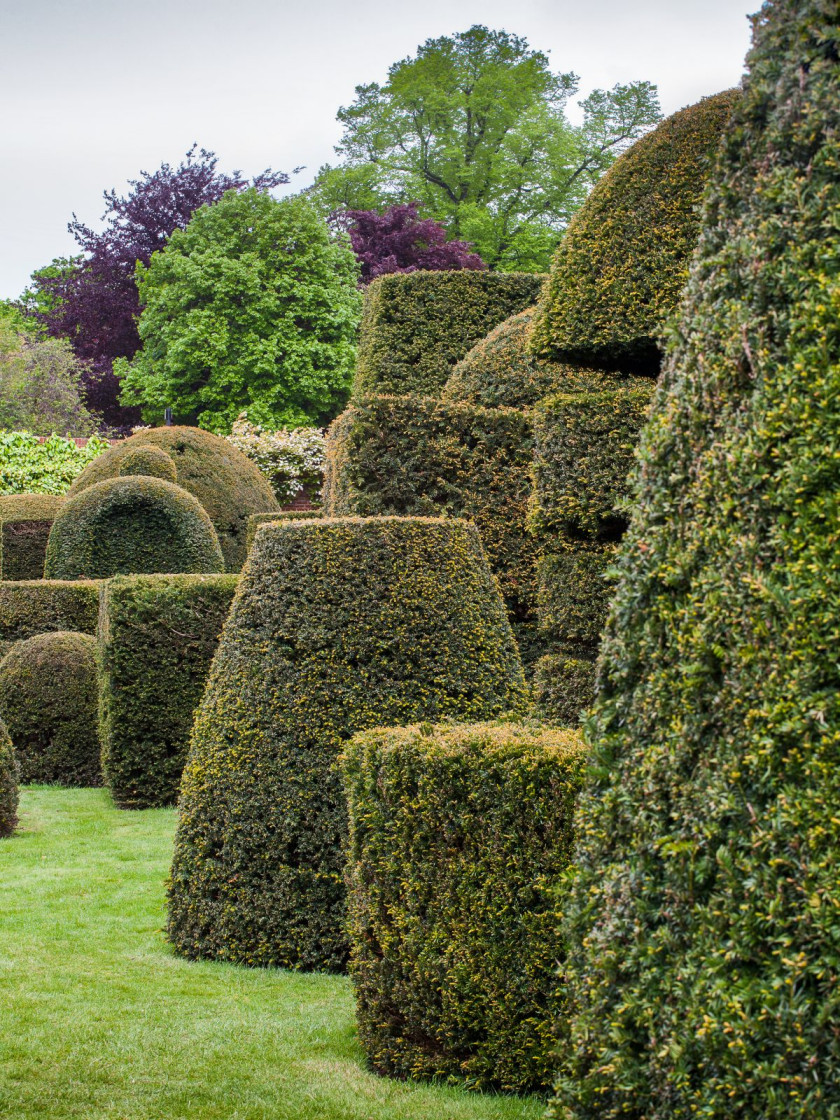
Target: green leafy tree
x=253 y=307
x=40 y=383
x=475 y=128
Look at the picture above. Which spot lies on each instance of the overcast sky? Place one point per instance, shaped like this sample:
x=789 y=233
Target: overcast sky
x=93 y=91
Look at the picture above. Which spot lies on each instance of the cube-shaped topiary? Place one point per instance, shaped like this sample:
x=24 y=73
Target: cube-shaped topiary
x=133 y=524
x=8 y=784
x=150 y=460
x=30 y=607
x=337 y=625
x=25 y=523
x=157 y=637
x=225 y=482
x=458 y=836
x=48 y=701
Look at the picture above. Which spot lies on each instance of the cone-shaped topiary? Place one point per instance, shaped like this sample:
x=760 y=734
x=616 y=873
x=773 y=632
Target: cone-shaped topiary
x=149 y=460
x=705 y=962
x=48 y=701
x=623 y=262
x=227 y=484
x=8 y=784
x=133 y=524
x=338 y=625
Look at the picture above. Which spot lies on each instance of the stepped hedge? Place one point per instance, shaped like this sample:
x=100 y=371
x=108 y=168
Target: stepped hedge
x=704 y=938
x=30 y=607
x=458 y=835
x=338 y=625
x=8 y=784
x=157 y=638
x=25 y=522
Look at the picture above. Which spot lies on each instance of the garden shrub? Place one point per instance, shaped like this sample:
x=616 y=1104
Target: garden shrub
x=25 y=522
x=621 y=265
x=226 y=483
x=149 y=460
x=338 y=625
x=8 y=784
x=33 y=607
x=157 y=637
x=291 y=460
x=416 y=456
x=416 y=326
x=131 y=524
x=704 y=937
x=48 y=702
x=28 y=466
x=458 y=834
x=257 y=519
x=563 y=688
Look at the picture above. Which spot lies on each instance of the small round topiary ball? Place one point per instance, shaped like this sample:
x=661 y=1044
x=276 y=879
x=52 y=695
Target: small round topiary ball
x=148 y=460
x=48 y=701
x=131 y=525
x=8 y=784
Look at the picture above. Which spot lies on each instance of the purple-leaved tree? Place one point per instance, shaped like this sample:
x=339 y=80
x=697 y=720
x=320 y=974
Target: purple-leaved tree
x=92 y=300
x=399 y=240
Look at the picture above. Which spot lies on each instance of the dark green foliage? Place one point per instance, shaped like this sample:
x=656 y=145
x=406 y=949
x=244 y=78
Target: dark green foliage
x=574 y=593
x=414 y=456
x=25 y=522
x=564 y=687
x=257 y=519
x=705 y=955
x=227 y=484
x=35 y=607
x=48 y=701
x=458 y=835
x=131 y=524
x=623 y=262
x=149 y=460
x=337 y=626
x=8 y=784
x=416 y=326
x=157 y=637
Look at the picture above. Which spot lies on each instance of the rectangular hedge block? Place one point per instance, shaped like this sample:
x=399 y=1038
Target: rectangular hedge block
x=574 y=595
x=257 y=519
x=157 y=638
x=459 y=835
x=30 y=607
x=417 y=325
x=25 y=523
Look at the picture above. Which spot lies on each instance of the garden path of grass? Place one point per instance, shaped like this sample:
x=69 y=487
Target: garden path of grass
x=99 y=1020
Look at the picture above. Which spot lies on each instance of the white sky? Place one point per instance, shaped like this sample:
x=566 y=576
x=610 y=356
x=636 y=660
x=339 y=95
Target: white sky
x=93 y=91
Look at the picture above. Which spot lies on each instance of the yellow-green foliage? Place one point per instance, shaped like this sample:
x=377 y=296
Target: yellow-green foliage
x=8 y=784
x=458 y=835
x=147 y=459
x=704 y=955
x=417 y=325
x=48 y=702
x=25 y=522
x=417 y=456
x=136 y=523
x=226 y=483
x=338 y=625
x=623 y=261
x=563 y=688
x=33 y=607
x=257 y=519
x=157 y=637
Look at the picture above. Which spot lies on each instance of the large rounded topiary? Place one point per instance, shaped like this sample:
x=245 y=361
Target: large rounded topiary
x=704 y=928
x=623 y=262
x=134 y=524
x=338 y=625
x=48 y=701
x=8 y=784
x=227 y=484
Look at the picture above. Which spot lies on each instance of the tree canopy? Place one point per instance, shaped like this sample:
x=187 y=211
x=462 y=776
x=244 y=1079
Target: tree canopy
x=399 y=240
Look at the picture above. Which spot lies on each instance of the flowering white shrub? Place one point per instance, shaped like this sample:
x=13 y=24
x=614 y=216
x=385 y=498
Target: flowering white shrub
x=290 y=460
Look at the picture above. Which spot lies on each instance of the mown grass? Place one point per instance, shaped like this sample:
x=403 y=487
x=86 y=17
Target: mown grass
x=98 y=1019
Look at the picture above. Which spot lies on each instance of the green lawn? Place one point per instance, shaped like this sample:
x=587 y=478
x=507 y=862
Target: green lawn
x=98 y=1019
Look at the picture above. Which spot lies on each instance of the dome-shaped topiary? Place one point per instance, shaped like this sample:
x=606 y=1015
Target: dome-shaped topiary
x=227 y=484
x=131 y=525
x=619 y=270
x=48 y=701
x=338 y=625
x=8 y=784
x=149 y=460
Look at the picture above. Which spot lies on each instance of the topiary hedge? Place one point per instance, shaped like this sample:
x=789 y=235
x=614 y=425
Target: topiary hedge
x=133 y=524
x=157 y=637
x=257 y=519
x=417 y=325
x=338 y=625
x=30 y=607
x=226 y=483
x=149 y=460
x=25 y=522
x=705 y=941
x=48 y=701
x=619 y=270
x=563 y=688
x=458 y=835
x=8 y=784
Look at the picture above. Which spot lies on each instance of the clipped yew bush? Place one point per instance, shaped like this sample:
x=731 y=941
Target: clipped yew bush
x=621 y=265
x=48 y=701
x=226 y=483
x=149 y=460
x=257 y=519
x=563 y=688
x=458 y=834
x=157 y=638
x=8 y=784
x=131 y=524
x=705 y=941
x=30 y=607
x=338 y=625
x=25 y=522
